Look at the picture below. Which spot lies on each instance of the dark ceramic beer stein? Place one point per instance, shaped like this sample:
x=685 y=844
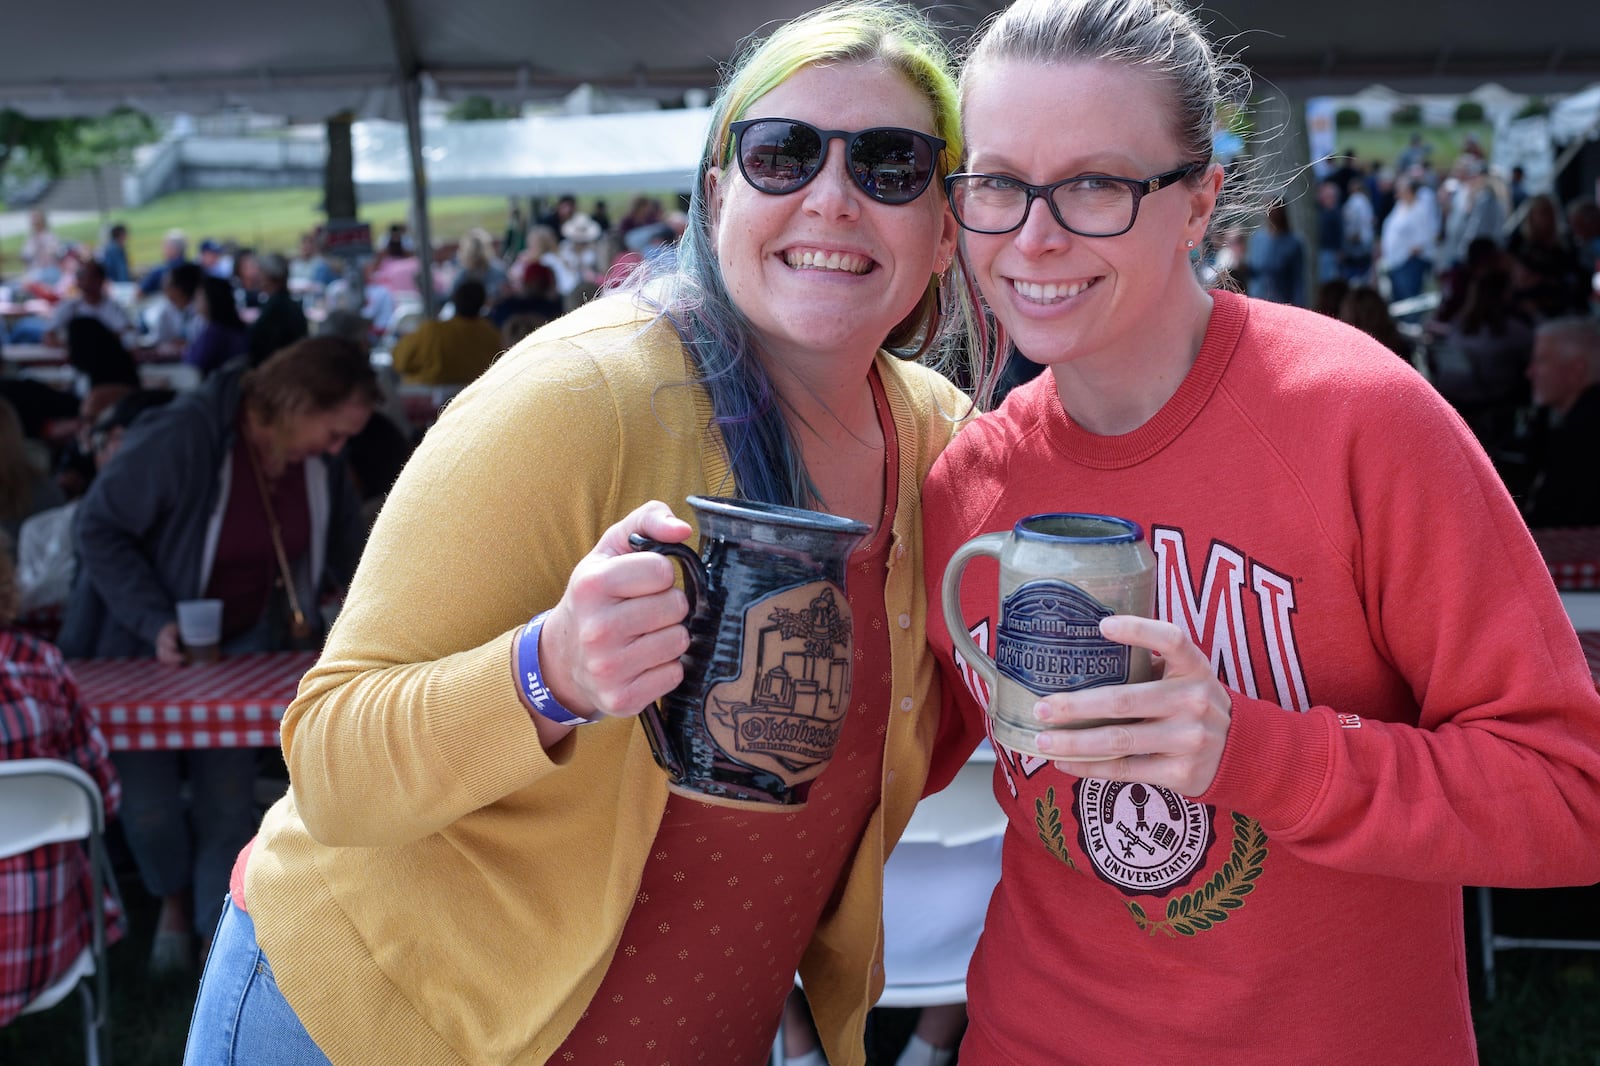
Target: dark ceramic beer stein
x=766 y=683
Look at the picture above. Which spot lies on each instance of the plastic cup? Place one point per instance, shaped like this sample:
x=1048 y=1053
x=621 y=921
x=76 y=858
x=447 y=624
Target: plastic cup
x=200 y=629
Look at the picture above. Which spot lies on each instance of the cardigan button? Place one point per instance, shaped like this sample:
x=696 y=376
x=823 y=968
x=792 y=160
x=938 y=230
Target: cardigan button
x=907 y=703
x=905 y=621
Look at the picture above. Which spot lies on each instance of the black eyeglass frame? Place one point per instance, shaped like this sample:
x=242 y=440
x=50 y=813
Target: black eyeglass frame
x=736 y=132
x=1139 y=188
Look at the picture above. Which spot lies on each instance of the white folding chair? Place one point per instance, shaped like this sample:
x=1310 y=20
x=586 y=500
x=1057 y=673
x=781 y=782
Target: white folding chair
x=952 y=845
x=49 y=801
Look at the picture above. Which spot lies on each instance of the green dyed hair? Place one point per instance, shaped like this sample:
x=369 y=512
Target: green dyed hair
x=894 y=33
x=766 y=463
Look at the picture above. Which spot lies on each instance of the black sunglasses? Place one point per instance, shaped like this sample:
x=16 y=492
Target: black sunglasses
x=889 y=164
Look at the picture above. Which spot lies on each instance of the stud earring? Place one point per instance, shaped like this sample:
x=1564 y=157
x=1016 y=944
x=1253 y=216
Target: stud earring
x=1191 y=244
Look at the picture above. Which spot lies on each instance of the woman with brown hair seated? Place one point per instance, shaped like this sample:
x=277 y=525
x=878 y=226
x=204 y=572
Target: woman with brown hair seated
x=236 y=491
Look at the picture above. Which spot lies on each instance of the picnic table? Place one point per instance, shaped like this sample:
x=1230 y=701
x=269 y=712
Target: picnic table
x=148 y=705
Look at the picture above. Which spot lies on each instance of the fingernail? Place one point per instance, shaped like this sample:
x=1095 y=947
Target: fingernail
x=1041 y=711
x=1045 y=742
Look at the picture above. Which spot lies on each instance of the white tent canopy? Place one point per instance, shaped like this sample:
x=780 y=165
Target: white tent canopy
x=536 y=156
x=312 y=58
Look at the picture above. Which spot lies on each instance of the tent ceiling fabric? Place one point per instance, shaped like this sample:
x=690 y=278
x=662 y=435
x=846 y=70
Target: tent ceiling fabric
x=316 y=57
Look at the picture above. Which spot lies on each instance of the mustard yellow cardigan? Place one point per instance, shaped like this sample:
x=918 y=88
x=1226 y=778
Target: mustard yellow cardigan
x=436 y=887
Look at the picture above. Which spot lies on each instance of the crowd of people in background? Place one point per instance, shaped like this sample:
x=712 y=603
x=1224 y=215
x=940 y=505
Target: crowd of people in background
x=1493 y=262
x=217 y=306
x=1461 y=272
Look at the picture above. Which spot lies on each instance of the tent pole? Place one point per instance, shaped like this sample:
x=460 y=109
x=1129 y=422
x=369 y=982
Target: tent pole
x=410 y=67
x=1283 y=156
x=419 y=192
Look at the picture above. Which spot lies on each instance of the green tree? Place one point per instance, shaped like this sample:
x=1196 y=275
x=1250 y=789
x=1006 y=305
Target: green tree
x=108 y=142
x=60 y=147
x=1347 y=118
x=1469 y=112
x=479 y=109
x=42 y=143
x=1535 y=107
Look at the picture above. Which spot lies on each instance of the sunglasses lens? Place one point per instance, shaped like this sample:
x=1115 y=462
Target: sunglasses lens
x=892 y=166
x=778 y=156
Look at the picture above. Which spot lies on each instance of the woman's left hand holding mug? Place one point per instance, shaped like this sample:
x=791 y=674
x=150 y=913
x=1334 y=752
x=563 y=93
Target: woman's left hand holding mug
x=611 y=645
x=1170 y=730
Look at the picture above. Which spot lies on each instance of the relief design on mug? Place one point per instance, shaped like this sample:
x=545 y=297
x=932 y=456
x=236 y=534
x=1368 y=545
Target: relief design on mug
x=785 y=711
x=1049 y=640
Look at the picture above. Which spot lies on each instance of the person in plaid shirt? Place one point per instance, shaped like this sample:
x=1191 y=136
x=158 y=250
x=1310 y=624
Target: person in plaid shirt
x=45 y=920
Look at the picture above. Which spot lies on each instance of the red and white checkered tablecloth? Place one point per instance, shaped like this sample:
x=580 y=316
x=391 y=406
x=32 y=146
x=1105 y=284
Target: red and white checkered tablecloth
x=146 y=705
x=1573 y=556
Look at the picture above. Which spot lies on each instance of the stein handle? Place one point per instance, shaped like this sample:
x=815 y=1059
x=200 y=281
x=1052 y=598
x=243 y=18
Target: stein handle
x=950 y=600
x=695 y=579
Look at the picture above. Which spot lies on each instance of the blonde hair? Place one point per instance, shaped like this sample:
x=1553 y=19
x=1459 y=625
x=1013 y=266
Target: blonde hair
x=475 y=250
x=1160 y=37
x=884 y=31
x=542 y=240
x=722 y=345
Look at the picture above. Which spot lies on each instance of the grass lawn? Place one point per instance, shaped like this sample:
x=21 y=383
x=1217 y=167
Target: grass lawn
x=264 y=219
x=1386 y=144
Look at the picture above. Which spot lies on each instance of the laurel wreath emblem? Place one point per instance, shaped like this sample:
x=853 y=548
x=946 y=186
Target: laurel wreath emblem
x=1195 y=911
x=1212 y=902
x=1047 y=816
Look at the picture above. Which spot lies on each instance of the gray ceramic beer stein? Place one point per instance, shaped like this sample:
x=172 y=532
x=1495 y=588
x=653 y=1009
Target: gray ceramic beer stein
x=1059 y=575
x=766 y=682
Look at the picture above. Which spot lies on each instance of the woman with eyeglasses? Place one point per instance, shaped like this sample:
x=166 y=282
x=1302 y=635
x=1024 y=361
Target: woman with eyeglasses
x=466 y=872
x=1369 y=695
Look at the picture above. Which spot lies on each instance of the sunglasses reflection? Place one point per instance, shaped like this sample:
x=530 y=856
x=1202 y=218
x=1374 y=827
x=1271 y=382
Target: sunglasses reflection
x=890 y=164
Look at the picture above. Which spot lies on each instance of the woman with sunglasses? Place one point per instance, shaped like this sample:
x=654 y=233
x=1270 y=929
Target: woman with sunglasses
x=467 y=872
x=1371 y=696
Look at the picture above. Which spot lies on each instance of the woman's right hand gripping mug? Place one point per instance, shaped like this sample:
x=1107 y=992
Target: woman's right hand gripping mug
x=766 y=683
x=1059 y=575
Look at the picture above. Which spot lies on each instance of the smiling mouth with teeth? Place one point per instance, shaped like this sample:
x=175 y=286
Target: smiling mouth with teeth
x=845 y=262
x=1051 y=292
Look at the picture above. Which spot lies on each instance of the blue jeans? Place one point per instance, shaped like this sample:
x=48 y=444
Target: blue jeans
x=240 y=1016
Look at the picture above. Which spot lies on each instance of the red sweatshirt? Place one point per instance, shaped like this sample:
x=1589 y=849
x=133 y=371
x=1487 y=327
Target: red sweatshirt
x=1411 y=713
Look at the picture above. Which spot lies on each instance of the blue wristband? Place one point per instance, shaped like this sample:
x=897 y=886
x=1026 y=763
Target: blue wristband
x=530 y=677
